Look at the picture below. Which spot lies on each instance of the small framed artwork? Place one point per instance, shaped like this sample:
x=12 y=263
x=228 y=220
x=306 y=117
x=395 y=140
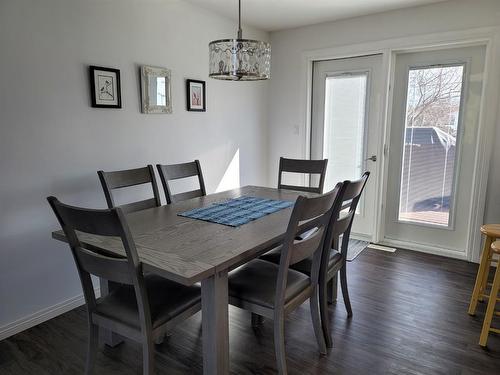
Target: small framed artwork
x=105 y=90
x=195 y=91
x=156 y=96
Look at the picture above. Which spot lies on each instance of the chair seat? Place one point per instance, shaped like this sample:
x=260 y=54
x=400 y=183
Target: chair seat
x=167 y=299
x=304 y=266
x=255 y=282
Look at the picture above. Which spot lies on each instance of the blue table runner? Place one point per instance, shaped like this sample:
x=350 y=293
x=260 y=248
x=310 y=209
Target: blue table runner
x=237 y=211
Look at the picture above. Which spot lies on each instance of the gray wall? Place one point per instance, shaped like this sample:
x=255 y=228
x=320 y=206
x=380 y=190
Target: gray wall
x=52 y=142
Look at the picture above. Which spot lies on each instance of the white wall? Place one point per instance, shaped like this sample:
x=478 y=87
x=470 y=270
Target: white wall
x=285 y=119
x=52 y=142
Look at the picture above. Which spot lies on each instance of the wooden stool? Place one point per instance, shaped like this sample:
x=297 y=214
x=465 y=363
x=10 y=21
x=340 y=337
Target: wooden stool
x=492 y=232
x=492 y=301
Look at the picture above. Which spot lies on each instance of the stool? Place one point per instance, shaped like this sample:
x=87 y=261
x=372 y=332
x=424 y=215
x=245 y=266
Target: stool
x=492 y=301
x=492 y=232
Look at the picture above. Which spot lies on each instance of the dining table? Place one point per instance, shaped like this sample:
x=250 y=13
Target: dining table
x=190 y=251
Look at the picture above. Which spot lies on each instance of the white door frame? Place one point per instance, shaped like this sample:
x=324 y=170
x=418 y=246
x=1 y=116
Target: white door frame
x=490 y=38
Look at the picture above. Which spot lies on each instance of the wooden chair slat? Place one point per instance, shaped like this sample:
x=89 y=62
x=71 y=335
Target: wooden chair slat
x=127 y=178
x=178 y=171
x=306 y=248
x=108 y=268
x=187 y=195
x=311 y=167
x=139 y=206
x=343 y=224
x=354 y=188
x=305 y=189
x=316 y=207
x=88 y=220
x=303 y=166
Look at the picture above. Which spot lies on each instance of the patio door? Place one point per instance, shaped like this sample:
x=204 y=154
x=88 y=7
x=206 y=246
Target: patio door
x=345 y=127
x=434 y=126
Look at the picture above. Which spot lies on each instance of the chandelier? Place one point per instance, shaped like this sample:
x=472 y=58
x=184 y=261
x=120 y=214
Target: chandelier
x=239 y=59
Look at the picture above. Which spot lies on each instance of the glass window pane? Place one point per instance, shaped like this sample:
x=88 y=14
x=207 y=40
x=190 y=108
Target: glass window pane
x=345 y=107
x=429 y=153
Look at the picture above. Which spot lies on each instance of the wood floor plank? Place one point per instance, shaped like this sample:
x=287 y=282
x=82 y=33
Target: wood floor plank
x=410 y=317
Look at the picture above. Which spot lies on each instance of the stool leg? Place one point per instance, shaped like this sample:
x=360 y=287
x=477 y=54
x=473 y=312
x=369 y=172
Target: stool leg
x=484 y=282
x=492 y=301
x=482 y=276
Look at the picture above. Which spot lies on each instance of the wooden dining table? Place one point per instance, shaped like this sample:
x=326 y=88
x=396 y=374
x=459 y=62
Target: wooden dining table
x=189 y=251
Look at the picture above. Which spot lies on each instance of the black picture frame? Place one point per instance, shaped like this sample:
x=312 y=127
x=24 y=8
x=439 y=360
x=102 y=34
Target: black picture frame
x=112 y=94
x=202 y=107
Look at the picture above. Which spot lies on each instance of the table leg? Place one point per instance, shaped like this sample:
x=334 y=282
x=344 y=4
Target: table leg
x=108 y=337
x=215 y=323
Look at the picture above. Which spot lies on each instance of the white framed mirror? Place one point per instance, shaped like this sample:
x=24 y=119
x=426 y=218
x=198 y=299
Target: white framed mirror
x=156 y=94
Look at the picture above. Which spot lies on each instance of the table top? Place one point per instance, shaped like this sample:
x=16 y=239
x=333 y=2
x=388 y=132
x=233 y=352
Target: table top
x=189 y=250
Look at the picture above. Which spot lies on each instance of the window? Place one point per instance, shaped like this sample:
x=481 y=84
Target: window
x=345 y=113
x=430 y=144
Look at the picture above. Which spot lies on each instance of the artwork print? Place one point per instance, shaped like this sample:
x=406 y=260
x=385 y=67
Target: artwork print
x=105 y=87
x=195 y=95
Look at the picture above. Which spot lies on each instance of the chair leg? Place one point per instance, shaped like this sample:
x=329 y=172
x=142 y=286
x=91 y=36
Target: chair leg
x=323 y=310
x=482 y=276
x=492 y=300
x=345 y=292
x=92 y=348
x=148 y=356
x=332 y=290
x=279 y=343
x=316 y=320
x=257 y=320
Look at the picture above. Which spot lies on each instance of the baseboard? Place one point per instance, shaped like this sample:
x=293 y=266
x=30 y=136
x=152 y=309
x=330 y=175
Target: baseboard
x=425 y=248
x=43 y=315
x=361 y=237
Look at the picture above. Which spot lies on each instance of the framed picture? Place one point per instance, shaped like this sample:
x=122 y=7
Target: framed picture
x=105 y=87
x=195 y=91
x=156 y=96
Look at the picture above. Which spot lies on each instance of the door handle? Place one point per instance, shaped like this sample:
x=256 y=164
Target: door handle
x=372 y=158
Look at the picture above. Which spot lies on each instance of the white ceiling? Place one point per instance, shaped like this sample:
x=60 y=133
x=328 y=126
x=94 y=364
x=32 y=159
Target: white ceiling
x=271 y=15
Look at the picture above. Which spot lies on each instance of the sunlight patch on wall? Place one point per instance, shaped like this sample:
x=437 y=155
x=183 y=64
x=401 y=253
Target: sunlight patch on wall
x=231 y=178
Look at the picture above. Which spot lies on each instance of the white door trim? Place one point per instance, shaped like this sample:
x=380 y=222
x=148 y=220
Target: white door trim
x=490 y=37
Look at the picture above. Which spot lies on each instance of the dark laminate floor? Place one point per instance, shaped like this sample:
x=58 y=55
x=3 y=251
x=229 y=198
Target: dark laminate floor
x=410 y=317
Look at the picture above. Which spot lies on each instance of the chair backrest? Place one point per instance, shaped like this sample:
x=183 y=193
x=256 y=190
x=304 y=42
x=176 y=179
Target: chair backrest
x=127 y=178
x=310 y=213
x=310 y=167
x=180 y=171
x=342 y=223
x=123 y=270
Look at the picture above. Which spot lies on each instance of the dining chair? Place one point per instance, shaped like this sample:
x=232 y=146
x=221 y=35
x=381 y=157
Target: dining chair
x=111 y=181
x=335 y=258
x=303 y=166
x=274 y=290
x=179 y=171
x=142 y=307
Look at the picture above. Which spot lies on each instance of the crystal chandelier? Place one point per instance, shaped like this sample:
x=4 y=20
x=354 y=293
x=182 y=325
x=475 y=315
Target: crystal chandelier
x=240 y=59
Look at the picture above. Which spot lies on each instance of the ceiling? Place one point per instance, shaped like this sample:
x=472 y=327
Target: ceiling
x=272 y=15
